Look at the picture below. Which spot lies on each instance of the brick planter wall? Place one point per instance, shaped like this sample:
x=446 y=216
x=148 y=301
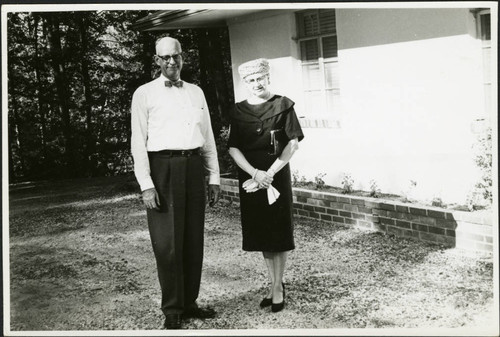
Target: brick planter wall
x=471 y=231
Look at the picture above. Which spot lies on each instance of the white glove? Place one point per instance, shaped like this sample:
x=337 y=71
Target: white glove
x=250 y=186
x=272 y=194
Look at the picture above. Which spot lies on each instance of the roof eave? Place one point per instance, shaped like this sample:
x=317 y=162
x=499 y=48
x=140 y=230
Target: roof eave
x=159 y=21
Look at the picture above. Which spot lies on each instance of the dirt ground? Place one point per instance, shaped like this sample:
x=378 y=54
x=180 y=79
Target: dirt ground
x=81 y=259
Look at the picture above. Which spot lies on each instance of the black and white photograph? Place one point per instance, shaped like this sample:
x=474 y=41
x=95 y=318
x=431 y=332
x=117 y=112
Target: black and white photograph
x=250 y=169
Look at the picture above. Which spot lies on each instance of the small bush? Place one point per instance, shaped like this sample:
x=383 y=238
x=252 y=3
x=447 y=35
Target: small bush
x=476 y=201
x=297 y=180
x=481 y=195
x=374 y=189
x=437 y=202
x=319 y=182
x=347 y=183
x=226 y=162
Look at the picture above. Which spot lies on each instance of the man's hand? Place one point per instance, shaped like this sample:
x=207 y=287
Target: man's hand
x=151 y=198
x=213 y=194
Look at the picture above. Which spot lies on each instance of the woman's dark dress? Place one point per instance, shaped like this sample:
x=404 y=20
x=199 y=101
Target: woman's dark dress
x=265 y=227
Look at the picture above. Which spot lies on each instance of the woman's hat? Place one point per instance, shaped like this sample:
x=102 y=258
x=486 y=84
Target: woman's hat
x=258 y=66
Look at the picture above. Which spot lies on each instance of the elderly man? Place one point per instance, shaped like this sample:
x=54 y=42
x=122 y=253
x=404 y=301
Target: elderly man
x=173 y=147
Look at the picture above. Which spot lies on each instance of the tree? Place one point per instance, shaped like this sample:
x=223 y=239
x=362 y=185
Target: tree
x=71 y=79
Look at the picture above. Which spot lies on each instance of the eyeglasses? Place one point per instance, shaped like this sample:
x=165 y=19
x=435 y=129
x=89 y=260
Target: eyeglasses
x=260 y=80
x=166 y=58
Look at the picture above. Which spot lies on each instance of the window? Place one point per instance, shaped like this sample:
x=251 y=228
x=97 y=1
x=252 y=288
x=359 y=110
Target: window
x=484 y=33
x=317 y=39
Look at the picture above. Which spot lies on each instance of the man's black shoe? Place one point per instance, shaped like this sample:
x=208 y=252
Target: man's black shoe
x=199 y=313
x=172 y=321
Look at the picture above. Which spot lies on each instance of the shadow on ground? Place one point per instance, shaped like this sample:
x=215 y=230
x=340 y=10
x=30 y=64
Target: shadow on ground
x=81 y=259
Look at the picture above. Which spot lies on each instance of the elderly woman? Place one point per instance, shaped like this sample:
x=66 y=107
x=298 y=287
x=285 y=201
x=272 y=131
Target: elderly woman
x=264 y=135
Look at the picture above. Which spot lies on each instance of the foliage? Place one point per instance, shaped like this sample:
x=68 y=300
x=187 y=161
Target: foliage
x=406 y=196
x=481 y=195
x=226 y=163
x=71 y=79
x=437 y=202
x=374 y=189
x=318 y=181
x=297 y=180
x=347 y=183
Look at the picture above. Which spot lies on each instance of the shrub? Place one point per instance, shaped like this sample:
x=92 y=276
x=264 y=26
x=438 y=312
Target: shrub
x=374 y=189
x=347 y=183
x=297 y=180
x=319 y=182
x=437 y=202
x=481 y=195
x=226 y=163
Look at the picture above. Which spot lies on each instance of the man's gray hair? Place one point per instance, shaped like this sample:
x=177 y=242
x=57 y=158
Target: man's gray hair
x=167 y=39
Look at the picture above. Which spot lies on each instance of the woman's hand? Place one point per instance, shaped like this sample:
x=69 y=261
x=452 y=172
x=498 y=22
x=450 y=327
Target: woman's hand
x=250 y=186
x=263 y=179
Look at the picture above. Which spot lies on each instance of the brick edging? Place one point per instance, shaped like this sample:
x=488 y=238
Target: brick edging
x=459 y=229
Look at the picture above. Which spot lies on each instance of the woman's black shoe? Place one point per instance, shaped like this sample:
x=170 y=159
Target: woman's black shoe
x=266 y=302
x=269 y=301
x=275 y=307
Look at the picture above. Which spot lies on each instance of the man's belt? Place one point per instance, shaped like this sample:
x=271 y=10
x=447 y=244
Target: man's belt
x=179 y=153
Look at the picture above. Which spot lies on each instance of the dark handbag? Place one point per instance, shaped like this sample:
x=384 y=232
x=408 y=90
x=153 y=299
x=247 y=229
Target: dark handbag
x=278 y=142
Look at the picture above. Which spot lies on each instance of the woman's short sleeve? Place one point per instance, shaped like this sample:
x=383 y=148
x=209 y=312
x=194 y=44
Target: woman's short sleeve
x=233 y=140
x=292 y=126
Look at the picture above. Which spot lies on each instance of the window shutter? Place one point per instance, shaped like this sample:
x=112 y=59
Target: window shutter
x=486 y=27
x=316 y=22
x=330 y=46
x=485 y=34
x=327 y=20
x=309 y=50
x=309 y=24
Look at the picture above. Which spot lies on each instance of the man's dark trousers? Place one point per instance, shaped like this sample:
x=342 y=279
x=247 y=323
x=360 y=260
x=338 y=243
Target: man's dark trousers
x=176 y=229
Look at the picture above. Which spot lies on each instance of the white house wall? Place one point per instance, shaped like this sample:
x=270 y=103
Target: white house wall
x=411 y=86
x=267 y=34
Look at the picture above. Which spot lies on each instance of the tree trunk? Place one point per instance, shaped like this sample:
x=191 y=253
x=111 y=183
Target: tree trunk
x=204 y=55
x=212 y=78
x=12 y=171
x=148 y=46
x=87 y=89
x=40 y=93
x=15 y=138
x=57 y=62
x=216 y=71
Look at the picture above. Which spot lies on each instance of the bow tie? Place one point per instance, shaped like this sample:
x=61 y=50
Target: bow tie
x=177 y=84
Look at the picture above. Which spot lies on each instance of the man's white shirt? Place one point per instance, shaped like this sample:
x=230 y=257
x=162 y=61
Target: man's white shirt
x=171 y=118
